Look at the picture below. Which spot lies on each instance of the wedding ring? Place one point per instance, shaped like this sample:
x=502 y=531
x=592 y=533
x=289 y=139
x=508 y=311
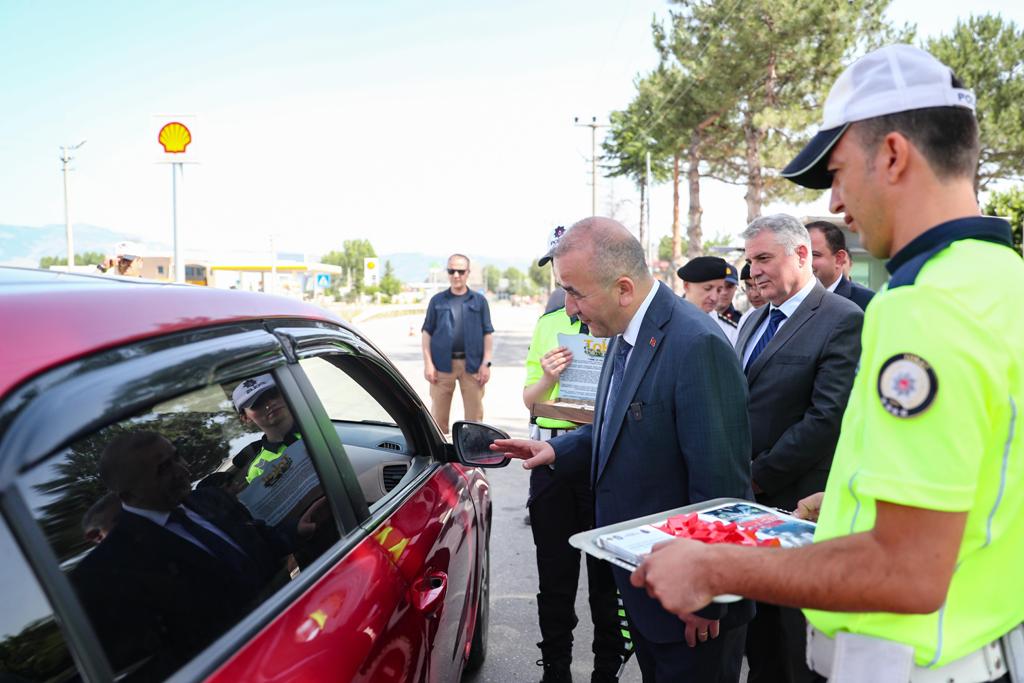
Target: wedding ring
x=702 y=634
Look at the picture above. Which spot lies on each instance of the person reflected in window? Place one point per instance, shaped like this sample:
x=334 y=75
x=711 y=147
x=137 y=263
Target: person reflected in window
x=180 y=566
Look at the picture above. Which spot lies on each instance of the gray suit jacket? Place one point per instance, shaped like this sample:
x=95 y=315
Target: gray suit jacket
x=799 y=387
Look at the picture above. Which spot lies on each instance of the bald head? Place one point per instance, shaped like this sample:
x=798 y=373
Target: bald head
x=144 y=470
x=611 y=248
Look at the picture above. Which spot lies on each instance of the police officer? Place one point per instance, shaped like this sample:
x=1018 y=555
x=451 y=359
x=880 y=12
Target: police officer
x=704 y=282
x=915 y=570
x=559 y=507
x=259 y=401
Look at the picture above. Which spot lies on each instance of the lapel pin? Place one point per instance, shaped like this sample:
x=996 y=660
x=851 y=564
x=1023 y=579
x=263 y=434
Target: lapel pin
x=653 y=342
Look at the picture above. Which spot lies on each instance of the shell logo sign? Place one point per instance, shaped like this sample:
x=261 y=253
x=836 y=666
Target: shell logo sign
x=174 y=137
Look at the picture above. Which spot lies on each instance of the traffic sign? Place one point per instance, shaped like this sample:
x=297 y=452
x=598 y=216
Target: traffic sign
x=323 y=280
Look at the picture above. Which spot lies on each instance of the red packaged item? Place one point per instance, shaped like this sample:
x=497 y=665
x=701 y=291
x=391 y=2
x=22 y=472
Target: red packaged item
x=713 y=531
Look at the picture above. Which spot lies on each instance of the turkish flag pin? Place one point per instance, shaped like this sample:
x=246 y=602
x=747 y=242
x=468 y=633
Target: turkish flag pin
x=653 y=342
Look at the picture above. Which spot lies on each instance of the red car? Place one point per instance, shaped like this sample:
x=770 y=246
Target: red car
x=226 y=486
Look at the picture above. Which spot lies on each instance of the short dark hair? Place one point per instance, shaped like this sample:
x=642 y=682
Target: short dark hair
x=833 y=235
x=946 y=136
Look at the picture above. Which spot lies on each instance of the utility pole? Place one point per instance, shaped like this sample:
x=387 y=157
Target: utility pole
x=65 y=159
x=593 y=126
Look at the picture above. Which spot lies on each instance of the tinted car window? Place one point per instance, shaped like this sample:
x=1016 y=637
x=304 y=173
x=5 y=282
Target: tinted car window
x=174 y=524
x=31 y=645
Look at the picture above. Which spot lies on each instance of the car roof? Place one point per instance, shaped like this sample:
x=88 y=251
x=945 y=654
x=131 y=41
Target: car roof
x=54 y=317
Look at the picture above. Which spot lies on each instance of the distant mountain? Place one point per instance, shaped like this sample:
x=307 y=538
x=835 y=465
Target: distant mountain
x=414 y=266
x=23 y=245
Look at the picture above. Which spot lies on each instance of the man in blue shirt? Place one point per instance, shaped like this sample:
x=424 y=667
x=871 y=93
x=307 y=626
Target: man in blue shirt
x=457 y=343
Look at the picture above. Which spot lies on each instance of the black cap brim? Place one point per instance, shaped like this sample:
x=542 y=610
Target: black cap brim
x=810 y=167
x=544 y=260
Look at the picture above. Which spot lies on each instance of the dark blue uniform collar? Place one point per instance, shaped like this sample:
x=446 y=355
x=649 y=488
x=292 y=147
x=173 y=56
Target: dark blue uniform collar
x=908 y=261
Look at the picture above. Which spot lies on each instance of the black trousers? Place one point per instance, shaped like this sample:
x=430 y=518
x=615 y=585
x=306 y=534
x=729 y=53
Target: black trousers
x=717 y=660
x=559 y=509
x=777 y=646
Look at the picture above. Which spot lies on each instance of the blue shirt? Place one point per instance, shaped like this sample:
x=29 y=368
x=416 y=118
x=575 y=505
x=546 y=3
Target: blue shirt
x=440 y=323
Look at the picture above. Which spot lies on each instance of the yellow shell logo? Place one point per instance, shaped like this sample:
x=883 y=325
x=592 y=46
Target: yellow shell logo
x=174 y=137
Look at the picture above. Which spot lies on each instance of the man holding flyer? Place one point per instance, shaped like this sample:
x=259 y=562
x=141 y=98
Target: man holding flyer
x=915 y=570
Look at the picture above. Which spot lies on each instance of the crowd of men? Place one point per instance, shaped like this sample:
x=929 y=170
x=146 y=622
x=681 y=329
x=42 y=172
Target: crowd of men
x=891 y=421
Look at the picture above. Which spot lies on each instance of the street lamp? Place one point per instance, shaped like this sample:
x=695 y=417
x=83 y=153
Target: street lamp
x=65 y=159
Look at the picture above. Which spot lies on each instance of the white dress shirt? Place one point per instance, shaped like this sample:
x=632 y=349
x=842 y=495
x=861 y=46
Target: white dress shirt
x=832 y=287
x=163 y=519
x=632 y=330
x=788 y=307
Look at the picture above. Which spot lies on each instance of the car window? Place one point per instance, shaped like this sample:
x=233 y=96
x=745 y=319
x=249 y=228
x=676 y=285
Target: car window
x=31 y=645
x=342 y=396
x=376 y=440
x=174 y=524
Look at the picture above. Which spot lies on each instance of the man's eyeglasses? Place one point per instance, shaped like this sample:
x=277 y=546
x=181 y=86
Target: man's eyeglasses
x=456 y=271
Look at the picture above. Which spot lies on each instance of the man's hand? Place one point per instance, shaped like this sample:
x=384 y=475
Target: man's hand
x=535 y=453
x=318 y=512
x=482 y=375
x=674 y=575
x=554 y=362
x=430 y=374
x=810 y=507
x=698 y=629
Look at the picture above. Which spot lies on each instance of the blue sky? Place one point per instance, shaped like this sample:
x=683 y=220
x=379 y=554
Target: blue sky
x=422 y=127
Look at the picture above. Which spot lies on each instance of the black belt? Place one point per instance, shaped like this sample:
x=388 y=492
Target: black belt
x=458 y=355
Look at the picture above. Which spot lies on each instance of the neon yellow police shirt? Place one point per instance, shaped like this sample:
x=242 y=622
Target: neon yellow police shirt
x=934 y=422
x=545 y=338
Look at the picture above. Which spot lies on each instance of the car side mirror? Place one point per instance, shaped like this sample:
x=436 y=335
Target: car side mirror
x=473 y=441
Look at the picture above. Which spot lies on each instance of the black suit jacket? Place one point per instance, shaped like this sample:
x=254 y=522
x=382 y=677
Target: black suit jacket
x=676 y=434
x=799 y=387
x=152 y=594
x=855 y=292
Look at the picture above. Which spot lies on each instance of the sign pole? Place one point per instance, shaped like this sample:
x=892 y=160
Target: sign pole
x=179 y=264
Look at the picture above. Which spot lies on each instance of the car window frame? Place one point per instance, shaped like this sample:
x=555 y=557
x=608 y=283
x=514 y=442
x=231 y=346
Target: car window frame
x=172 y=365
x=367 y=365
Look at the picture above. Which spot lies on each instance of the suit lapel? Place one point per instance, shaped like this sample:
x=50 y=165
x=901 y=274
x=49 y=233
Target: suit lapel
x=600 y=400
x=749 y=328
x=801 y=315
x=648 y=342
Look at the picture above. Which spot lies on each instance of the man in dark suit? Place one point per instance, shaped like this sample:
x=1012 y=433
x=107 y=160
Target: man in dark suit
x=179 y=568
x=830 y=258
x=799 y=354
x=670 y=429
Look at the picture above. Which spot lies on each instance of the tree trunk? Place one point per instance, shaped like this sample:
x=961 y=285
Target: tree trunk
x=694 y=236
x=755 y=181
x=677 y=247
x=643 y=224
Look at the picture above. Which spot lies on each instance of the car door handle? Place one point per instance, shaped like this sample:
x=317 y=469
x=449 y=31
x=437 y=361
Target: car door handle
x=428 y=591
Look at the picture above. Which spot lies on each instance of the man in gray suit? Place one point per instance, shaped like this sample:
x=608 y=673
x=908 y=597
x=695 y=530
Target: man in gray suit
x=799 y=354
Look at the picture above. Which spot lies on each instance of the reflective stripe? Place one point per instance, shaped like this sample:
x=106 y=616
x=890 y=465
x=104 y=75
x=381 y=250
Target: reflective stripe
x=1002 y=474
x=856 y=510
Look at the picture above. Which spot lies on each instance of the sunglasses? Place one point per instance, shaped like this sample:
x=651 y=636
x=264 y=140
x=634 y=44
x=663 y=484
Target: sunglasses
x=457 y=271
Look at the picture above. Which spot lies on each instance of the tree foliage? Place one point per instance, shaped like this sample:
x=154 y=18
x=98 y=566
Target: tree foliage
x=85 y=258
x=985 y=53
x=390 y=285
x=1009 y=205
x=350 y=258
x=492 y=278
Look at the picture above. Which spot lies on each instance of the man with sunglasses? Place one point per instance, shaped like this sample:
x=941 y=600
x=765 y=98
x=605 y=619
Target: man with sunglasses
x=457 y=342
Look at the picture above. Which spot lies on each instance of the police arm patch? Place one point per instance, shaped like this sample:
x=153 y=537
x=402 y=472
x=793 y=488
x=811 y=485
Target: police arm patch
x=907 y=385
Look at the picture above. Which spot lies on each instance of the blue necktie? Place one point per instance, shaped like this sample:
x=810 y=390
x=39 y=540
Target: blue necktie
x=774 y=320
x=618 y=368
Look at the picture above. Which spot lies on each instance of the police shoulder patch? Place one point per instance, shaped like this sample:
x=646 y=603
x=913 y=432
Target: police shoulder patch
x=907 y=385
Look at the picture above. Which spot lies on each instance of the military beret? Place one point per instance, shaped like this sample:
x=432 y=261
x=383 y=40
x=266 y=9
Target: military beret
x=704 y=268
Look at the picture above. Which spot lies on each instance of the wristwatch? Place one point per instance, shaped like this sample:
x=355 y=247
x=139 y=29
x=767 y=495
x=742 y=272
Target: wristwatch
x=488 y=363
